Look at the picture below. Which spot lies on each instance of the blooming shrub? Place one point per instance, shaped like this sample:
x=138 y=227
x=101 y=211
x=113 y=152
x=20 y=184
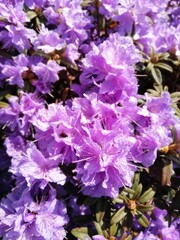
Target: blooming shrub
x=90 y=119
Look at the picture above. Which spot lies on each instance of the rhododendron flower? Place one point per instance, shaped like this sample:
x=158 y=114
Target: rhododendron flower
x=102 y=161
x=23 y=218
x=13 y=70
x=48 y=41
x=47 y=74
x=39 y=167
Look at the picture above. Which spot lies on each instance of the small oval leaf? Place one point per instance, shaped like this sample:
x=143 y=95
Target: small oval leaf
x=3 y=104
x=148 y=195
x=137 y=192
x=98 y=228
x=119 y=215
x=113 y=229
x=145 y=208
x=81 y=233
x=164 y=66
x=156 y=73
x=31 y=14
x=142 y=219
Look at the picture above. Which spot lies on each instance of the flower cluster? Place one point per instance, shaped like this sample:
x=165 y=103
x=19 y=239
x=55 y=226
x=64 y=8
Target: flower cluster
x=76 y=125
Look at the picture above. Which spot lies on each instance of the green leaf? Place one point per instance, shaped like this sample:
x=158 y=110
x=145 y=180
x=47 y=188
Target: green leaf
x=98 y=228
x=147 y=196
x=138 y=192
x=129 y=237
x=3 y=104
x=145 y=208
x=175 y=94
x=156 y=73
x=158 y=88
x=142 y=219
x=113 y=229
x=152 y=52
x=129 y=190
x=164 y=66
x=163 y=56
x=150 y=66
x=177 y=110
x=119 y=215
x=68 y=63
x=175 y=100
x=86 y=3
x=175 y=97
x=81 y=233
x=31 y=14
x=118 y=200
x=153 y=92
x=3 y=19
x=135 y=181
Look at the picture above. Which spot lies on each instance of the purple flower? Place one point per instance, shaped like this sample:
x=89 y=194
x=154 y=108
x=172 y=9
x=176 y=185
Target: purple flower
x=170 y=233
x=102 y=160
x=14 y=13
x=9 y=116
x=71 y=52
x=108 y=67
x=17 y=35
x=145 y=150
x=48 y=40
x=47 y=74
x=30 y=104
x=23 y=218
x=15 y=146
x=161 y=110
x=35 y=3
x=39 y=167
x=70 y=27
x=20 y=36
x=55 y=131
x=13 y=70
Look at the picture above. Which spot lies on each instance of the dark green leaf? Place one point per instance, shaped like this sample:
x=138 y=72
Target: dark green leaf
x=81 y=233
x=113 y=229
x=142 y=219
x=138 y=192
x=147 y=196
x=68 y=63
x=156 y=73
x=128 y=190
x=164 y=66
x=98 y=228
x=118 y=200
x=145 y=208
x=119 y=215
x=135 y=181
